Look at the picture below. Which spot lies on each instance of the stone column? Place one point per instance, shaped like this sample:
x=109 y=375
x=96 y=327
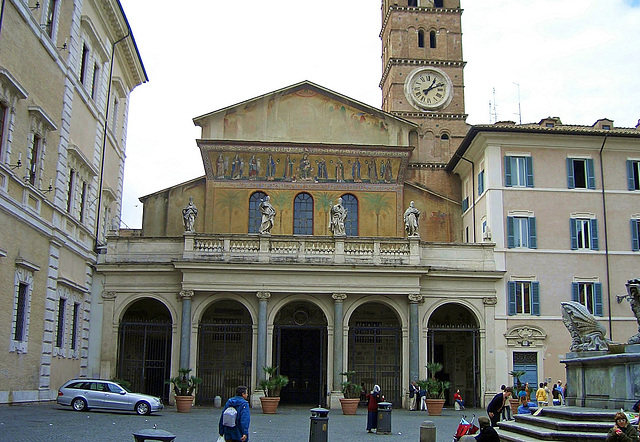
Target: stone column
x=261 y=359
x=414 y=338
x=338 y=349
x=108 y=351
x=185 y=328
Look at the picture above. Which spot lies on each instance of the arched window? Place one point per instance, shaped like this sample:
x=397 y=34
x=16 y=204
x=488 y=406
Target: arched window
x=303 y=214
x=421 y=39
x=432 y=39
x=255 y=218
x=350 y=203
x=444 y=137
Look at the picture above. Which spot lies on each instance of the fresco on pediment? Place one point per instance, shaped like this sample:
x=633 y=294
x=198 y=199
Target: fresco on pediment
x=308 y=116
x=301 y=167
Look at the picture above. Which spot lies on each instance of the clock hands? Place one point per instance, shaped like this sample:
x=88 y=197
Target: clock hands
x=432 y=86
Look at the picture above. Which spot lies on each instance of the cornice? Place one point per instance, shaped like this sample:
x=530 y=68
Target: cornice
x=396 y=8
x=431 y=115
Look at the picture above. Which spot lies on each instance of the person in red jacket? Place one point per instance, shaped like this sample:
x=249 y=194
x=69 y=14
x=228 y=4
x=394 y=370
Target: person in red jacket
x=458 y=398
x=372 y=416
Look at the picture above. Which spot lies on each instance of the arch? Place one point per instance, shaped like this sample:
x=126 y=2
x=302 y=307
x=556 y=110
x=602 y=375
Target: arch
x=350 y=202
x=375 y=348
x=200 y=310
x=122 y=309
x=303 y=214
x=224 y=360
x=432 y=39
x=144 y=346
x=255 y=217
x=453 y=340
x=421 y=38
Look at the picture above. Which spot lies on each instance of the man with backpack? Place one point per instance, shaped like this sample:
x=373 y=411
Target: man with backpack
x=235 y=418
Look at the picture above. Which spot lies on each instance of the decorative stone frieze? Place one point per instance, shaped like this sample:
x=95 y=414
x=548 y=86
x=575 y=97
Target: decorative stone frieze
x=525 y=336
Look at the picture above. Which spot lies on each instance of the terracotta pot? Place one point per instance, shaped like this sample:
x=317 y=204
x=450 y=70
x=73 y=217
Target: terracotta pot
x=184 y=403
x=349 y=406
x=515 y=403
x=269 y=404
x=434 y=406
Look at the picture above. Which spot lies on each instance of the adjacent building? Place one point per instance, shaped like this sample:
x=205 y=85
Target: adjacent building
x=66 y=72
x=560 y=203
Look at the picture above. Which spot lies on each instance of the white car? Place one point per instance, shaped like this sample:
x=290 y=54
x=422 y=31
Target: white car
x=83 y=394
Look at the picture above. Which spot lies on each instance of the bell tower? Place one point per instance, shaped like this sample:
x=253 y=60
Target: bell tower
x=422 y=79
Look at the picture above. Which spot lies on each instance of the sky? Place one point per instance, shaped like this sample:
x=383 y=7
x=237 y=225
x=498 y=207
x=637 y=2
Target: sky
x=526 y=60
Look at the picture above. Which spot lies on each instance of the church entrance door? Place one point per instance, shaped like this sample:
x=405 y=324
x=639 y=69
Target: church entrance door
x=300 y=352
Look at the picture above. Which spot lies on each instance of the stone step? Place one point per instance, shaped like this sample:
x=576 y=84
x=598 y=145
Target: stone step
x=580 y=413
x=521 y=432
x=553 y=423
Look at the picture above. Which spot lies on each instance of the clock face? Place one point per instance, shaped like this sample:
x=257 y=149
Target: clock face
x=428 y=88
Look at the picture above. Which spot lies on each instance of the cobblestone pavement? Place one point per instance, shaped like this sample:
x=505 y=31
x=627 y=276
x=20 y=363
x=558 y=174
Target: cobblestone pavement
x=51 y=422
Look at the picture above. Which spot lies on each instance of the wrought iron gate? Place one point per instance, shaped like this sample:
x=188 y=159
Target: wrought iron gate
x=144 y=356
x=375 y=356
x=224 y=360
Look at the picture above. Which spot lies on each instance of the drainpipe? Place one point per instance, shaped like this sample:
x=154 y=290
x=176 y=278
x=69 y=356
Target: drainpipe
x=606 y=238
x=473 y=192
x=100 y=248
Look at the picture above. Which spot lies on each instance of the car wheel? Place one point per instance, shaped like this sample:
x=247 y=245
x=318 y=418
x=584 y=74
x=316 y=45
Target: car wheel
x=79 y=404
x=143 y=408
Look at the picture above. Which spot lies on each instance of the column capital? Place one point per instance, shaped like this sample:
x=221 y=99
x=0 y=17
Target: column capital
x=415 y=298
x=186 y=294
x=339 y=297
x=263 y=295
x=109 y=295
x=490 y=300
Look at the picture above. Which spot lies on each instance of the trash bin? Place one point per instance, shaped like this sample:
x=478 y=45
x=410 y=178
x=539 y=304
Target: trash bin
x=384 y=418
x=319 y=425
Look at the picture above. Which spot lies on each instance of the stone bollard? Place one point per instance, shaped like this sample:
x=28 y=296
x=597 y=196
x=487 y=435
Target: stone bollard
x=427 y=431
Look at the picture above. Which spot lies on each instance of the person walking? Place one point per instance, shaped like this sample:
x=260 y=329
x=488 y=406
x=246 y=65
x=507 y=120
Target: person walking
x=372 y=416
x=541 y=395
x=495 y=406
x=236 y=430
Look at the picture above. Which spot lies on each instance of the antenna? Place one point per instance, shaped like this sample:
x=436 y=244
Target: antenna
x=519 y=108
x=493 y=112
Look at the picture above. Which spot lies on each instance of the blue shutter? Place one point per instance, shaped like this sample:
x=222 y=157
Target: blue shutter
x=535 y=298
x=593 y=225
x=631 y=182
x=480 y=183
x=533 y=240
x=597 y=306
x=507 y=172
x=529 y=171
x=511 y=242
x=575 y=292
x=591 y=176
x=465 y=204
x=511 y=288
x=635 y=244
x=571 y=183
x=574 y=234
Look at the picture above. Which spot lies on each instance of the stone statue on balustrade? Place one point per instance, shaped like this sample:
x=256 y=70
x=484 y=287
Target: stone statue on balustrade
x=189 y=215
x=338 y=217
x=268 y=215
x=411 y=218
x=587 y=334
x=633 y=296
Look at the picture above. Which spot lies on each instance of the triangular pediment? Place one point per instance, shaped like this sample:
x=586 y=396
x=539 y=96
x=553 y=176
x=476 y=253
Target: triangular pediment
x=306 y=113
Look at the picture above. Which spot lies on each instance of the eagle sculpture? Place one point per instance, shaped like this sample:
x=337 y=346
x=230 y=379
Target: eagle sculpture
x=587 y=334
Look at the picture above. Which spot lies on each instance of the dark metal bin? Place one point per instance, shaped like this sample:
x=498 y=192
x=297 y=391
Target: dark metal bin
x=319 y=425
x=384 y=418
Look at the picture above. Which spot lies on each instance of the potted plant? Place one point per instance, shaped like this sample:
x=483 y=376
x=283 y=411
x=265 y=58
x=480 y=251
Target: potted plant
x=351 y=392
x=271 y=386
x=183 y=386
x=435 y=389
x=513 y=400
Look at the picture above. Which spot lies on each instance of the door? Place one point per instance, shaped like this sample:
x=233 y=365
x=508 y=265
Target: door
x=300 y=356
